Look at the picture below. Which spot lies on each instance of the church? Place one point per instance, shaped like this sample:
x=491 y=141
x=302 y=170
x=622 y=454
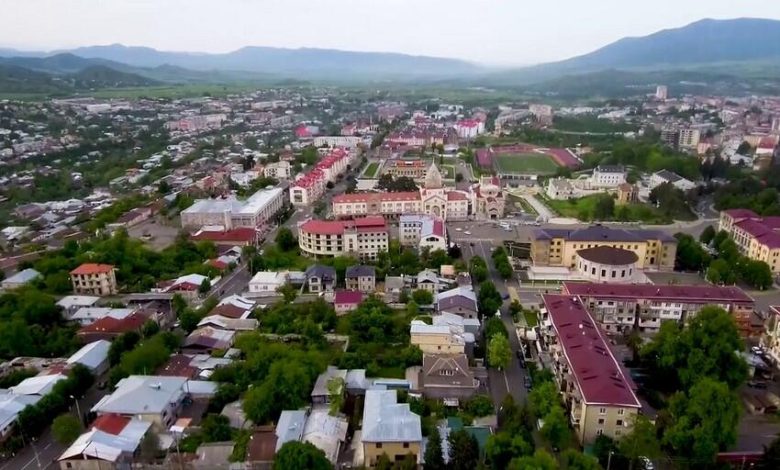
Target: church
x=484 y=200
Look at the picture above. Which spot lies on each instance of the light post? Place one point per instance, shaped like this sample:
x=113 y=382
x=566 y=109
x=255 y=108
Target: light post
x=78 y=409
x=609 y=459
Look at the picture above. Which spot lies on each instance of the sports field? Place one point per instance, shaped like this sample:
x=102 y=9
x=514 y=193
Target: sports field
x=526 y=163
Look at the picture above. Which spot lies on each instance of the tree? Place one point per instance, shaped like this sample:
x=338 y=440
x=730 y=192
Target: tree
x=499 y=352
x=163 y=187
x=204 y=287
x=488 y=299
x=543 y=398
x=721 y=272
x=150 y=328
x=478 y=269
x=216 y=428
x=66 y=429
x=604 y=207
x=479 y=405
x=690 y=254
x=289 y=293
x=188 y=320
x=706 y=347
x=422 y=297
x=642 y=441
x=541 y=460
x=285 y=239
x=300 y=455
x=707 y=235
x=704 y=420
x=556 y=427
x=502 y=447
x=576 y=460
x=755 y=273
x=464 y=451
x=434 y=460
x=335 y=395
x=770 y=459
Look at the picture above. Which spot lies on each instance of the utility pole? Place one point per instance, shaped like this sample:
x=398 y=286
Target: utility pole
x=609 y=459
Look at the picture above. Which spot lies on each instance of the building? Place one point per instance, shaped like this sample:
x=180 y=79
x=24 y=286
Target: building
x=645 y=306
x=11 y=404
x=345 y=301
x=19 y=279
x=93 y=356
x=488 y=197
x=665 y=176
x=627 y=194
x=94 y=279
x=597 y=394
x=361 y=278
x=154 y=399
x=608 y=264
x=415 y=169
x=364 y=237
x=688 y=138
x=756 y=237
x=661 y=92
x=230 y=213
x=447 y=376
x=431 y=199
x=347 y=142
x=428 y=280
x=245 y=236
x=469 y=128
x=608 y=176
x=267 y=283
x=112 y=442
x=436 y=339
x=558 y=247
x=309 y=187
x=559 y=188
x=389 y=428
x=422 y=231
x=542 y=113
x=281 y=170
x=321 y=278
x=770 y=340
x=461 y=301
x=325 y=432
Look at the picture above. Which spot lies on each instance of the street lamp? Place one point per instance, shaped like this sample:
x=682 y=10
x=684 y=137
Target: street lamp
x=78 y=409
x=609 y=459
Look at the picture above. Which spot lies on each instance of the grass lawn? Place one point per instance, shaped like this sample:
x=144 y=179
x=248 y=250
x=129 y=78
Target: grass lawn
x=583 y=207
x=531 y=318
x=371 y=170
x=448 y=171
x=520 y=203
x=526 y=163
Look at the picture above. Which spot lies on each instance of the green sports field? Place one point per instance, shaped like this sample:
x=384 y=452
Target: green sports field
x=536 y=163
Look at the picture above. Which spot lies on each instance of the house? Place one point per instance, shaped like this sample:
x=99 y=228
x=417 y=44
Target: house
x=71 y=303
x=19 y=279
x=665 y=176
x=461 y=301
x=320 y=394
x=39 y=385
x=188 y=286
x=321 y=278
x=213 y=455
x=394 y=285
x=94 y=279
x=266 y=283
x=109 y=328
x=11 y=405
x=112 y=442
x=389 y=428
x=208 y=339
x=152 y=398
x=232 y=324
x=559 y=188
x=89 y=315
x=428 y=279
x=447 y=376
x=261 y=448
x=346 y=301
x=317 y=427
x=361 y=278
x=436 y=339
x=93 y=356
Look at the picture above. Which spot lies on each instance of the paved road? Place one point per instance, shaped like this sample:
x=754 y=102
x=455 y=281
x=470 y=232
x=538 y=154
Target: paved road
x=511 y=380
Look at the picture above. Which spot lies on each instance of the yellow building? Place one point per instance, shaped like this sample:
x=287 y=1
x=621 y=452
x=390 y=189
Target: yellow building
x=757 y=237
x=389 y=428
x=436 y=339
x=558 y=247
x=94 y=279
x=365 y=237
x=598 y=396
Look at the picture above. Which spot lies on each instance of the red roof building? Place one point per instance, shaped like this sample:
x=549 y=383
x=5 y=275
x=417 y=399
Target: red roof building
x=244 y=236
x=88 y=269
x=109 y=328
x=347 y=300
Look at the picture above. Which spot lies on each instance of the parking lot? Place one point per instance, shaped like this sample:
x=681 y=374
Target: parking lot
x=157 y=233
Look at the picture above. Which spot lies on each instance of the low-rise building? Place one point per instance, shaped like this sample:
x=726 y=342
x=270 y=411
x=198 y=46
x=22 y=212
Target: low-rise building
x=361 y=278
x=645 y=306
x=608 y=176
x=436 y=339
x=756 y=237
x=447 y=376
x=93 y=356
x=230 y=213
x=559 y=188
x=365 y=237
x=422 y=231
x=770 y=340
x=19 y=279
x=267 y=283
x=461 y=301
x=389 y=428
x=94 y=279
x=665 y=176
x=598 y=396
x=112 y=442
x=281 y=170
x=321 y=278
x=346 y=301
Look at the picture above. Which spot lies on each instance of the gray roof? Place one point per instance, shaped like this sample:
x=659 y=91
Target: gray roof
x=361 y=270
x=321 y=385
x=321 y=271
x=23 y=277
x=290 y=427
x=669 y=176
x=610 y=169
x=142 y=394
x=386 y=420
x=596 y=233
x=91 y=355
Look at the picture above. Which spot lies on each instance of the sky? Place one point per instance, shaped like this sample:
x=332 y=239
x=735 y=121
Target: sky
x=493 y=32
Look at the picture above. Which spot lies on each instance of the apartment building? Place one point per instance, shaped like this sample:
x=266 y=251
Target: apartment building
x=232 y=213
x=364 y=238
x=620 y=307
x=94 y=279
x=310 y=187
x=608 y=176
x=280 y=170
x=757 y=237
x=415 y=169
x=655 y=249
x=421 y=231
x=597 y=394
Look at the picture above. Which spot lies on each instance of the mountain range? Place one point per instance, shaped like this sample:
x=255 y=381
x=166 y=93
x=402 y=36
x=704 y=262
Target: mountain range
x=719 y=47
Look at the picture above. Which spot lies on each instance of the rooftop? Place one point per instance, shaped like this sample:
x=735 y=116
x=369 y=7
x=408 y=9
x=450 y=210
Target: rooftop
x=608 y=255
x=92 y=268
x=142 y=394
x=600 y=378
x=680 y=293
x=386 y=420
x=598 y=233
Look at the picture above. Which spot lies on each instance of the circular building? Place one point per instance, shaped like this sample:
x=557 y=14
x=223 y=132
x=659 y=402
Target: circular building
x=607 y=264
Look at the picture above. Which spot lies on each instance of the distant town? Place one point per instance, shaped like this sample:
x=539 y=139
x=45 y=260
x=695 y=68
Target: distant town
x=318 y=277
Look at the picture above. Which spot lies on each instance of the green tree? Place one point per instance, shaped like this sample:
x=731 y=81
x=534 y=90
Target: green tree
x=556 y=428
x=216 y=428
x=204 y=287
x=479 y=405
x=66 y=429
x=541 y=460
x=502 y=447
x=499 y=352
x=756 y=274
x=286 y=387
x=604 y=207
x=300 y=455
x=464 y=451
x=188 y=320
x=690 y=255
x=478 y=269
x=335 y=395
x=434 y=460
x=575 y=460
x=289 y=293
x=707 y=235
x=720 y=272
x=703 y=421
x=642 y=441
x=543 y=398
x=422 y=297
x=488 y=299
x=285 y=239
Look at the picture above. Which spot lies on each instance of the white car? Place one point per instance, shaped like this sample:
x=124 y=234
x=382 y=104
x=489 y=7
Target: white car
x=756 y=350
x=458 y=229
x=467 y=232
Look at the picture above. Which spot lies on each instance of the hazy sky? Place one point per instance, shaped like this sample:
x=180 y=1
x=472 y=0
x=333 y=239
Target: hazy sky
x=487 y=31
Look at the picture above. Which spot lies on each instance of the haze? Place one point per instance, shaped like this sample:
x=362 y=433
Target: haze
x=498 y=32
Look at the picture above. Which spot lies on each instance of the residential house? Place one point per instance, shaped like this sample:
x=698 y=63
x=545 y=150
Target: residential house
x=93 y=356
x=428 y=279
x=19 y=279
x=461 y=301
x=112 y=442
x=261 y=448
x=109 y=328
x=665 y=176
x=317 y=427
x=436 y=339
x=320 y=278
x=389 y=428
x=11 y=405
x=71 y=303
x=94 y=279
x=89 y=315
x=208 y=339
x=152 y=398
x=346 y=301
x=267 y=283
x=447 y=376
x=361 y=278
x=394 y=286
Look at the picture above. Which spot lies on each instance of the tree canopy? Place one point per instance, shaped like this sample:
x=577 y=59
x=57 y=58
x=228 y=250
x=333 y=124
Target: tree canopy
x=300 y=455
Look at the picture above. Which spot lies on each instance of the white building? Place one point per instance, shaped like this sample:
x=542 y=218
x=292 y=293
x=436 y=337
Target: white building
x=559 y=188
x=661 y=92
x=232 y=213
x=665 y=176
x=608 y=176
x=422 y=231
x=469 y=128
x=337 y=141
x=281 y=170
x=688 y=138
x=265 y=283
x=93 y=356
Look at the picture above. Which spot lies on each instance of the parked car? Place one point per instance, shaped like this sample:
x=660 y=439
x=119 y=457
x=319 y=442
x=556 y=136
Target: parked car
x=647 y=464
x=757 y=384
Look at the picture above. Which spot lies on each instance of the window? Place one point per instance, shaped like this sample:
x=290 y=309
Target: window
x=378 y=445
x=406 y=445
x=621 y=411
x=601 y=420
x=599 y=432
x=603 y=411
x=619 y=422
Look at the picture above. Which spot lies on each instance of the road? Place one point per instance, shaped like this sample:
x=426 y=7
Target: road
x=511 y=380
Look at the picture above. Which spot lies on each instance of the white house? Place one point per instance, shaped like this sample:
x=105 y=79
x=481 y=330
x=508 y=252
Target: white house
x=266 y=283
x=608 y=176
x=93 y=356
x=665 y=176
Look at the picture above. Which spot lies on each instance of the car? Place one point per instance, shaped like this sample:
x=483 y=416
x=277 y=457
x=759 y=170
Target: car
x=757 y=384
x=467 y=232
x=756 y=350
x=505 y=296
x=458 y=229
x=519 y=354
x=647 y=464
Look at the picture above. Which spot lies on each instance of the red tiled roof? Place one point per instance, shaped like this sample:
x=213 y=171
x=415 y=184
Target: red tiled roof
x=237 y=234
x=681 y=293
x=228 y=311
x=347 y=297
x=600 y=378
x=337 y=227
x=456 y=196
x=92 y=268
x=377 y=197
x=178 y=366
x=111 y=325
x=111 y=424
x=741 y=214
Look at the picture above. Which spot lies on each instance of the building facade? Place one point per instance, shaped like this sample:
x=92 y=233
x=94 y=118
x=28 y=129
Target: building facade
x=364 y=237
x=608 y=176
x=757 y=237
x=232 y=213
x=94 y=279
